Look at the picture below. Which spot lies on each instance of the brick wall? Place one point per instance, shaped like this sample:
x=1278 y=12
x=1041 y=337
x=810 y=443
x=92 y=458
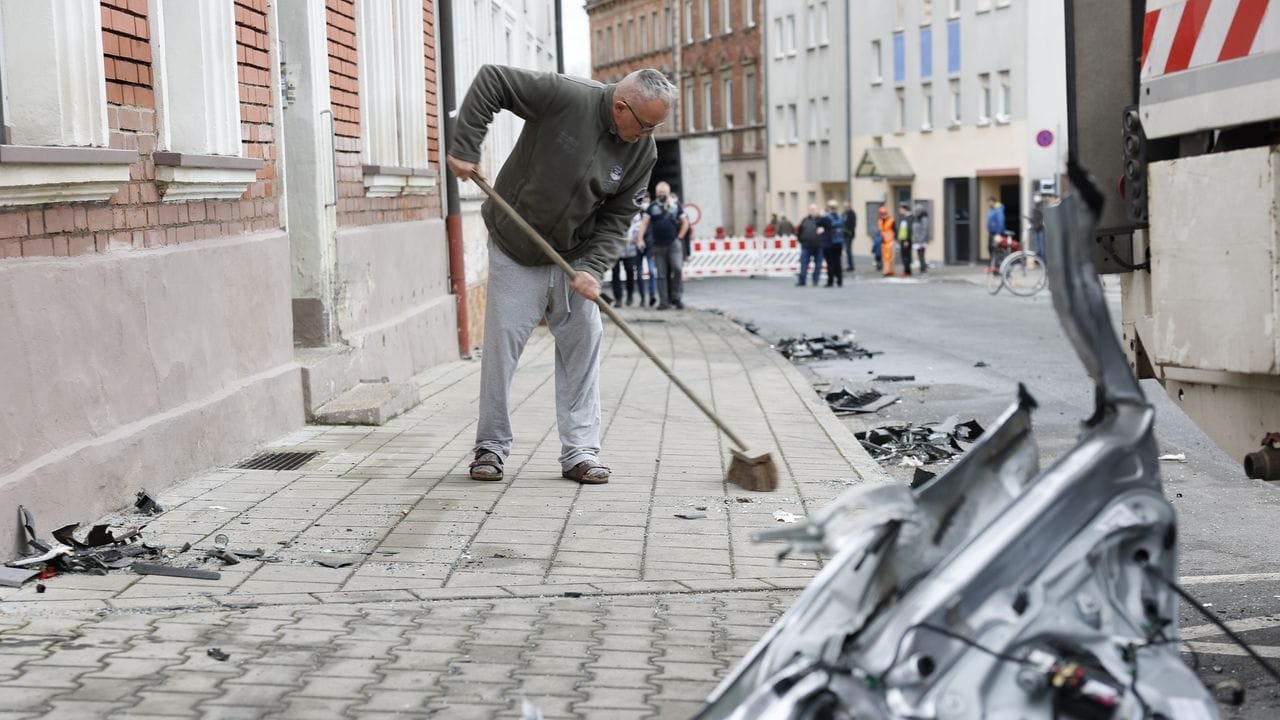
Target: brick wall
x=722 y=56
x=354 y=208
x=134 y=217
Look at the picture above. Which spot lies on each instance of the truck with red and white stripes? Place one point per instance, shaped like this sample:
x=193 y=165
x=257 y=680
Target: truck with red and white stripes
x=1174 y=106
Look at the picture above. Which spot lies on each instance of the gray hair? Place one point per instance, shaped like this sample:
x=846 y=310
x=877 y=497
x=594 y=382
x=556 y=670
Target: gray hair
x=650 y=84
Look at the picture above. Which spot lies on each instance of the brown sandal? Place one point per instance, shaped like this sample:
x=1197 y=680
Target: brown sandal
x=486 y=466
x=588 y=472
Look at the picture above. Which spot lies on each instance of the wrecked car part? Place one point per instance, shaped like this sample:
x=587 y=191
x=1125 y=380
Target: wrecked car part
x=226 y=557
x=927 y=443
x=53 y=552
x=218 y=654
x=822 y=347
x=848 y=402
x=1264 y=464
x=15 y=577
x=221 y=541
x=147 y=504
x=29 y=525
x=691 y=515
x=894 y=378
x=165 y=570
x=950 y=601
x=99 y=535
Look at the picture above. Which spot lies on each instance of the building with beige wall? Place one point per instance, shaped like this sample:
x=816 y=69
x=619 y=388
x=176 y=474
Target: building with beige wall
x=957 y=100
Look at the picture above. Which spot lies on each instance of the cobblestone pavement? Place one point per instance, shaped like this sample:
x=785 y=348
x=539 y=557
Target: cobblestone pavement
x=459 y=595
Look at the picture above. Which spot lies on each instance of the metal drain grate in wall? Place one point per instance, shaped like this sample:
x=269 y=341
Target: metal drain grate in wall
x=278 y=461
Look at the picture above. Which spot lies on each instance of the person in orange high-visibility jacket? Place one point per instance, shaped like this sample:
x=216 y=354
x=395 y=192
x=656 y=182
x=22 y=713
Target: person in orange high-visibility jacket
x=888 y=239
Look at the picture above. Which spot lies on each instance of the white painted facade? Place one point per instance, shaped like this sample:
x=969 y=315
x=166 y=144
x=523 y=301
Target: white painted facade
x=963 y=89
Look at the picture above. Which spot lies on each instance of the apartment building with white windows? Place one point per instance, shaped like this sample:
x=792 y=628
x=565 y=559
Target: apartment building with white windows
x=956 y=101
x=809 y=103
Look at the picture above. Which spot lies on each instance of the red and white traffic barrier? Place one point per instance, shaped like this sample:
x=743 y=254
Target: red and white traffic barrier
x=742 y=257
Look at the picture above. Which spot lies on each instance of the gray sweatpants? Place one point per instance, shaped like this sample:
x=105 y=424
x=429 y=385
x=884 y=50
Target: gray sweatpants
x=670 y=264
x=517 y=299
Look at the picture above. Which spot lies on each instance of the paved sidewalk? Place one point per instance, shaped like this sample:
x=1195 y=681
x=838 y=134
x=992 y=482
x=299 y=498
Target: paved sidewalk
x=596 y=601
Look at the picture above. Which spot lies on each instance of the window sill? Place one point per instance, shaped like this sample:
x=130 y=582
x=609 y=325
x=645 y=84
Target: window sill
x=382 y=181
x=184 y=177
x=37 y=175
x=877 y=81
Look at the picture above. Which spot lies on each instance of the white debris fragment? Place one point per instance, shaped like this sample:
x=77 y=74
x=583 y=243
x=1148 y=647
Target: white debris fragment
x=783 y=516
x=911 y=462
x=1174 y=457
x=216 y=507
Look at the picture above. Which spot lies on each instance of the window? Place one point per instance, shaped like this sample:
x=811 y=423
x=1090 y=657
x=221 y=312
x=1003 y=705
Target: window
x=813 y=121
x=707 y=106
x=953 y=47
x=1005 y=109
x=926 y=53
x=619 y=50
x=749 y=99
x=600 y=53
x=899 y=58
x=953 y=8
x=749 y=13
x=726 y=13
x=826 y=119
x=877 y=62
x=899 y=14
x=795 y=205
x=780 y=121
x=824 y=13
x=393 y=98
x=813 y=198
x=608 y=44
x=926 y=12
x=662 y=38
x=726 y=98
x=706 y=19
x=688 y=21
x=984 y=98
x=791 y=34
x=630 y=49
x=644 y=35
x=955 y=103
x=900 y=122
x=926 y=108
x=690 y=110
x=811 y=27
x=793 y=124
x=780 y=42
x=983 y=5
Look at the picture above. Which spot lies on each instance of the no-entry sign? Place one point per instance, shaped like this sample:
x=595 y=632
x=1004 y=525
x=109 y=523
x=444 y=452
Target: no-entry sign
x=1044 y=138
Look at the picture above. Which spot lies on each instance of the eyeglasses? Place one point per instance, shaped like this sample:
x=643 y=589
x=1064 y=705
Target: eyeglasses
x=644 y=126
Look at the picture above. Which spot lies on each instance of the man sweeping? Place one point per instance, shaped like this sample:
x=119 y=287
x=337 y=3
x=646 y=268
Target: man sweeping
x=577 y=172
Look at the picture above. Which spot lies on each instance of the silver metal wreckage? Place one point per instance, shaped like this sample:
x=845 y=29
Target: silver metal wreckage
x=996 y=590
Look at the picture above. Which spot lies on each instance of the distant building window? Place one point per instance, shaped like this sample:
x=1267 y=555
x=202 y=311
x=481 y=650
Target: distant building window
x=877 y=62
x=953 y=47
x=984 y=98
x=899 y=14
x=926 y=53
x=900 y=122
x=813 y=120
x=707 y=106
x=726 y=12
x=644 y=35
x=630 y=48
x=749 y=12
x=749 y=99
x=779 y=42
x=1005 y=110
x=688 y=21
x=690 y=110
x=955 y=103
x=780 y=120
x=811 y=27
x=826 y=119
x=793 y=124
x=926 y=12
x=953 y=8
x=899 y=58
x=726 y=99
x=824 y=22
x=706 y=18
x=926 y=110
x=791 y=34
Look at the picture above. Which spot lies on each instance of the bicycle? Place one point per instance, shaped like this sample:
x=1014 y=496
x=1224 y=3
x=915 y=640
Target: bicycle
x=1022 y=271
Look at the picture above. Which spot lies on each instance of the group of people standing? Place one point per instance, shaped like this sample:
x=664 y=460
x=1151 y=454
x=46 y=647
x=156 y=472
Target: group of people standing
x=657 y=240
x=907 y=232
x=825 y=239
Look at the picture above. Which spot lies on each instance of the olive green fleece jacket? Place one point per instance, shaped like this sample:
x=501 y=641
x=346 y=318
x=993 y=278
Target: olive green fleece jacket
x=569 y=175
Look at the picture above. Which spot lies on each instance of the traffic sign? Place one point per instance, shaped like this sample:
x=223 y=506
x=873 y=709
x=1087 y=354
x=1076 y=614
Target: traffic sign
x=1044 y=138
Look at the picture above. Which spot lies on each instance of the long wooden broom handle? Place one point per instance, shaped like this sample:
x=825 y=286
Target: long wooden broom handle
x=607 y=309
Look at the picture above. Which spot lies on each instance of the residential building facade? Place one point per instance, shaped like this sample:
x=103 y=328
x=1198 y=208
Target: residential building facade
x=203 y=238
x=957 y=101
x=809 y=101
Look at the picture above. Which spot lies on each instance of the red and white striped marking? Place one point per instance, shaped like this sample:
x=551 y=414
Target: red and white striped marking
x=1180 y=35
x=738 y=257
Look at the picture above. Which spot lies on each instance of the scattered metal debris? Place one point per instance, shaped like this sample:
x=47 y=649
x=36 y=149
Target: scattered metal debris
x=921 y=477
x=15 y=577
x=691 y=515
x=227 y=558
x=849 y=402
x=40 y=588
x=743 y=499
x=218 y=654
x=147 y=504
x=572 y=594
x=822 y=347
x=1174 y=457
x=167 y=571
x=336 y=561
x=926 y=444
x=783 y=516
x=981 y=364
x=893 y=378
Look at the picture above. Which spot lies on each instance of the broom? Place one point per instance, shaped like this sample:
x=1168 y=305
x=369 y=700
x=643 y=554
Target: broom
x=747 y=469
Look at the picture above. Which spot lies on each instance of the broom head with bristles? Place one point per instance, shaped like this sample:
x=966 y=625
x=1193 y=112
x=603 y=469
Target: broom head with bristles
x=753 y=471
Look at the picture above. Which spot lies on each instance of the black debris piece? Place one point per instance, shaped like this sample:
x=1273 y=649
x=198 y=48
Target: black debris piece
x=822 y=347
x=572 y=594
x=217 y=654
x=147 y=504
x=855 y=402
x=248 y=554
x=928 y=443
x=1229 y=692
x=743 y=499
x=100 y=535
x=981 y=363
x=691 y=515
x=921 y=477
x=337 y=561
x=41 y=587
x=191 y=573
x=893 y=378
x=66 y=536
x=226 y=557
x=185 y=547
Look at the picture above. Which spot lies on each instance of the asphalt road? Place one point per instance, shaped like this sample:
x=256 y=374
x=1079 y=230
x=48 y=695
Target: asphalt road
x=939 y=329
